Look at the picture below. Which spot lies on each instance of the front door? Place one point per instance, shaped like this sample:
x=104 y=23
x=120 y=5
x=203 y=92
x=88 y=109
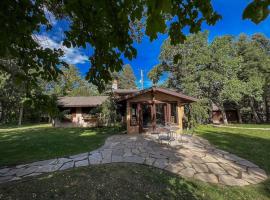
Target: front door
x=160 y=114
x=146 y=116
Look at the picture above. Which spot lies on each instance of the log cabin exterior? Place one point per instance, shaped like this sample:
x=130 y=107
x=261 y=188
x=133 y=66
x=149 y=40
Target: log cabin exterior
x=148 y=109
x=141 y=110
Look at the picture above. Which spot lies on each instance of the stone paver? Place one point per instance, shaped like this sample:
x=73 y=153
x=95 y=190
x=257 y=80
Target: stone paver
x=192 y=157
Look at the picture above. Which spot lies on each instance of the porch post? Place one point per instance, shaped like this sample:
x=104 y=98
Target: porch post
x=139 y=117
x=128 y=117
x=180 y=113
x=153 y=116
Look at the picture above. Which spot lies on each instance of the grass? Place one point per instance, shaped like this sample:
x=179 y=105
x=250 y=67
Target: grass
x=250 y=125
x=131 y=181
x=39 y=142
x=254 y=145
x=122 y=181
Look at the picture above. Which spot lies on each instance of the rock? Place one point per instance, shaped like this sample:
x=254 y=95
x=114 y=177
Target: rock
x=82 y=163
x=48 y=168
x=33 y=174
x=78 y=157
x=16 y=178
x=215 y=168
x=160 y=163
x=206 y=177
x=5 y=178
x=209 y=159
x=251 y=178
x=221 y=151
x=67 y=165
x=200 y=167
x=187 y=172
x=116 y=158
x=257 y=172
x=95 y=158
x=63 y=160
x=26 y=171
x=149 y=161
x=118 y=152
x=43 y=162
x=134 y=159
x=246 y=163
x=186 y=164
x=232 y=171
x=174 y=168
x=232 y=181
x=4 y=170
x=232 y=157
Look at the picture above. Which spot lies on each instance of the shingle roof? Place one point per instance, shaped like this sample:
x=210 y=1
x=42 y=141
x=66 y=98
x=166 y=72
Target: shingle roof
x=91 y=101
x=125 y=91
x=166 y=91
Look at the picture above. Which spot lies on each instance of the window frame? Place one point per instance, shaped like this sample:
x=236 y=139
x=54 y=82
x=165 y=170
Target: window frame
x=133 y=107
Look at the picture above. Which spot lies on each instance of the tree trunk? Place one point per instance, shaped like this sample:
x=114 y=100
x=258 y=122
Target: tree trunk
x=239 y=115
x=267 y=108
x=49 y=119
x=20 y=116
x=1 y=111
x=254 y=113
x=225 y=120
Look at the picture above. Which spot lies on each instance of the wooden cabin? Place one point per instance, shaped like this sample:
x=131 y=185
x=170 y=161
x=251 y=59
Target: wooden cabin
x=148 y=109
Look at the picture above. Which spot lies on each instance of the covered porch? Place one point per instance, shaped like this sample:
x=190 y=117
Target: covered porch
x=152 y=108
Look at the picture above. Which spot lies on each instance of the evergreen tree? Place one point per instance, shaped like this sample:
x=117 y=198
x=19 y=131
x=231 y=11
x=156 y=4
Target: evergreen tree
x=126 y=78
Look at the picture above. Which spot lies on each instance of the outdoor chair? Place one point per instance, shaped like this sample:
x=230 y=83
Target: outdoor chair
x=166 y=134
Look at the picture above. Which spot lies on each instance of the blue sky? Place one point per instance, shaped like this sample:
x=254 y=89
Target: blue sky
x=148 y=52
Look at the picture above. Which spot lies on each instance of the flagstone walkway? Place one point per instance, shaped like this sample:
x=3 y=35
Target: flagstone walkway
x=192 y=157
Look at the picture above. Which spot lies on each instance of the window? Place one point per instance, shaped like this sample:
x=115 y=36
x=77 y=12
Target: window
x=173 y=113
x=133 y=115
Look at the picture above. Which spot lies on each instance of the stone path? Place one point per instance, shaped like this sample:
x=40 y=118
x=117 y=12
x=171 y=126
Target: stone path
x=193 y=157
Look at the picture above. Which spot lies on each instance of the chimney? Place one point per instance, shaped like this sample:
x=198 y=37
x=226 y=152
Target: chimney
x=114 y=84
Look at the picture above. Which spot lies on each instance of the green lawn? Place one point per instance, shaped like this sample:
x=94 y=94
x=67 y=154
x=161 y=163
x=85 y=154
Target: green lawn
x=250 y=125
x=254 y=145
x=131 y=181
x=38 y=142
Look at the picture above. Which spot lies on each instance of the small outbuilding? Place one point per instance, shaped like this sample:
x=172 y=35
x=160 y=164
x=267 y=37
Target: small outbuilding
x=148 y=109
x=77 y=111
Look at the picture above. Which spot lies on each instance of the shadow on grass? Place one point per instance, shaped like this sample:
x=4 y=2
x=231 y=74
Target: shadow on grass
x=27 y=145
x=107 y=181
x=251 y=147
x=255 y=149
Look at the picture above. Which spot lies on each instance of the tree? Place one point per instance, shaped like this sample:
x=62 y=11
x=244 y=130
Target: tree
x=70 y=83
x=127 y=78
x=108 y=28
x=184 y=71
x=24 y=102
x=264 y=43
x=155 y=74
x=227 y=70
x=109 y=112
x=255 y=64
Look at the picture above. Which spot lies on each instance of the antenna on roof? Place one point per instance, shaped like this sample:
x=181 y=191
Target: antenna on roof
x=141 y=81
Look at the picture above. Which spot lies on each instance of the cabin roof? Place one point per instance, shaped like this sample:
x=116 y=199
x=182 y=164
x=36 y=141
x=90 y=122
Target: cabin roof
x=162 y=90
x=91 y=101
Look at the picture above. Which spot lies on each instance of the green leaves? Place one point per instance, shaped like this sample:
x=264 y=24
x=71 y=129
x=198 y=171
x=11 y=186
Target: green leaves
x=226 y=70
x=257 y=11
x=109 y=28
x=155 y=74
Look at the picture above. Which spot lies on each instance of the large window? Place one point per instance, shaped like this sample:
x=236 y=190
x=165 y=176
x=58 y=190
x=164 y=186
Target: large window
x=173 y=113
x=133 y=115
